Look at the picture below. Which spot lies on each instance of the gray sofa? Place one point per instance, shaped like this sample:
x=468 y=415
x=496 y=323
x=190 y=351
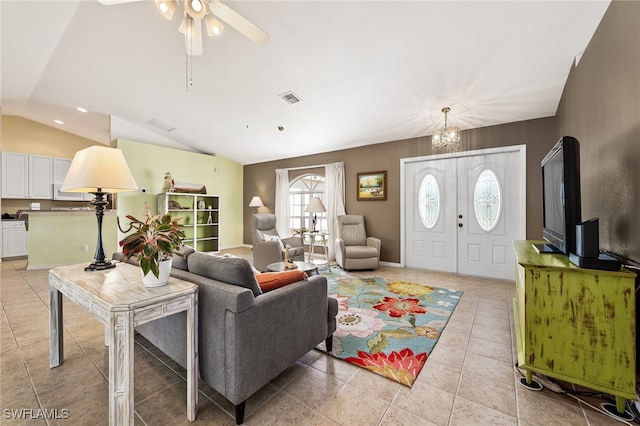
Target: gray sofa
x=246 y=337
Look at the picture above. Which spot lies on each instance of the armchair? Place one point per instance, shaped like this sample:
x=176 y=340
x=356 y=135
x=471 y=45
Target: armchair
x=268 y=247
x=354 y=250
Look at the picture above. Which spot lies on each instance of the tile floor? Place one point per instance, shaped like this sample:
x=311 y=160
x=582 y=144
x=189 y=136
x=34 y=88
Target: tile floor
x=469 y=378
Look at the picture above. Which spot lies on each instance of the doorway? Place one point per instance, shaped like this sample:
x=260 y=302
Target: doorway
x=462 y=211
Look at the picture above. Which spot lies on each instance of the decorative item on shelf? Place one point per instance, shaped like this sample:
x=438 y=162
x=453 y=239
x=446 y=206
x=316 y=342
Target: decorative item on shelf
x=154 y=242
x=288 y=258
x=447 y=137
x=315 y=206
x=174 y=205
x=201 y=205
x=189 y=188
x=99 y=170
x=167 y=186
x=210 y=218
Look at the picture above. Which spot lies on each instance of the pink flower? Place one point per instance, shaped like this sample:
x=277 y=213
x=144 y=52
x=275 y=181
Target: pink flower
x=342 y=301
x=400 y=307
x=357 y=322
x=402 y=366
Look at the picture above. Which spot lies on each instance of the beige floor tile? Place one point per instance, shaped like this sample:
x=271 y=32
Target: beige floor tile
x=426 y=401
x=539 y=409
x=86 y=401
x=281 y=410
x=335 y=367
x=467 y=413
x=352 y=405
x=398 y=417
x=490 y=349
x=374 y=384
x=488 y=367
x=453 y=358
x=489 y=391
x=313 y=387
x=440 y=376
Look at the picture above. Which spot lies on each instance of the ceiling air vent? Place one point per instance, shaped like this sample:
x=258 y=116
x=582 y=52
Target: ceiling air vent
x=161 y=125
x=290 y=98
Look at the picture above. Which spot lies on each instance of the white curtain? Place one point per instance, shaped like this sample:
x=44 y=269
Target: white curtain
x=282 y=202
x=334 y=198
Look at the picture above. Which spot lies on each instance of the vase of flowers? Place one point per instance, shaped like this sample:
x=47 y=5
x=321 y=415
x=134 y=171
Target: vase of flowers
x=153 y=242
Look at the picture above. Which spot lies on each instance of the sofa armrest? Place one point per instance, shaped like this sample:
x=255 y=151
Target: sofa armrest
x=294 y=242
x=374 y=242
x=341 y=254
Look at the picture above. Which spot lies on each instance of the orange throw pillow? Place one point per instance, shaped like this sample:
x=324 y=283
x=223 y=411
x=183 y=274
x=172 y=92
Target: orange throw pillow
x=271 y=280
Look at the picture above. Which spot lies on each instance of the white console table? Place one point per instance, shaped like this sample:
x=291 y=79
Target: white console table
x=118 y=298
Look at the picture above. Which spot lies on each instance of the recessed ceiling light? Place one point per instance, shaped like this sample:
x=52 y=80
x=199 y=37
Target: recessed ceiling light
x=81 y=109
x=59 y=121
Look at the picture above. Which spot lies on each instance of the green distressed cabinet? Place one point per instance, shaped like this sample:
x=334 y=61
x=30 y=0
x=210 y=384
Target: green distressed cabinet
x=575 y=324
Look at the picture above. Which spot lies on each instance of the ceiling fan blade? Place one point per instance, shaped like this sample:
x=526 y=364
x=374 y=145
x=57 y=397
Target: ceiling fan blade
x=240 y=23
x=193 y=43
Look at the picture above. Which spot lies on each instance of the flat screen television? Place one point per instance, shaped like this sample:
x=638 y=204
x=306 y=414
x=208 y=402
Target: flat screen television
x=561 y=210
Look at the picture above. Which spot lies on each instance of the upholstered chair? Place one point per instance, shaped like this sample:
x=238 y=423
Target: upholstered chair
x=354 y=250
x=268 y=246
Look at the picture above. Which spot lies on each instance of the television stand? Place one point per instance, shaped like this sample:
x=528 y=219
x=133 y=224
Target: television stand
x=546 y=249
x=574 y=324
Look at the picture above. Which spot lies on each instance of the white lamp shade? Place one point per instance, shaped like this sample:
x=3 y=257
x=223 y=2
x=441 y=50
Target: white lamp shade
x=99 y=169
x=315 y=206
x=256 y=201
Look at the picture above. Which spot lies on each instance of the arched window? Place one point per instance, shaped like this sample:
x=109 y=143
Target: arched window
x=301 y=190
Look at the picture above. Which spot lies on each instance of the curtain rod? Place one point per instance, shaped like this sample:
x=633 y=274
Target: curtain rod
x=304 y=167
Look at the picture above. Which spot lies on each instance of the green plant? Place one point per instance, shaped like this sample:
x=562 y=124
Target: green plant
x=155 y=239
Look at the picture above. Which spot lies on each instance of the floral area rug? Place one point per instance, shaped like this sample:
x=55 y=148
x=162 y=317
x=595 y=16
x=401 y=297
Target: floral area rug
x=389 y=328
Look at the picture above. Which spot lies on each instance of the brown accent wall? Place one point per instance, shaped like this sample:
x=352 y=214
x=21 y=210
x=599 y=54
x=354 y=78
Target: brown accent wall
x=383 y=217
x=600 y=106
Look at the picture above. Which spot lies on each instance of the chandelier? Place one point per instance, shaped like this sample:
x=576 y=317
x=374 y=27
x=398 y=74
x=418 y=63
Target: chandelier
x=447 y=137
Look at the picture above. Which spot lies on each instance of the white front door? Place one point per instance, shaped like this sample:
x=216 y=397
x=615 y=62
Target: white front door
x=431 y=215
x=461 y=213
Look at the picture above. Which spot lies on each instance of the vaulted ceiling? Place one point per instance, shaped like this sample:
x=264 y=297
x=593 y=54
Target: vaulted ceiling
x=366 y=71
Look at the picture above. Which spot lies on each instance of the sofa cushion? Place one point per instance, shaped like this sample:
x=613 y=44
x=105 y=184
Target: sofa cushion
x=180 y=262
x=361 y=252
x=231 y=270
x=272 y=280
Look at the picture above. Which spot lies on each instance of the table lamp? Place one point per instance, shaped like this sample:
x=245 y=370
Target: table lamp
x=315 y=206
x=99 y=170
x=256 y=202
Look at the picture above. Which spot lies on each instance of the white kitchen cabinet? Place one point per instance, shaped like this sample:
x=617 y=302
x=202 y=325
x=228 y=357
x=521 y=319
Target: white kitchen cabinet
x=60 y=169
x=15 y=175
x=40 y=177
x=14 y=238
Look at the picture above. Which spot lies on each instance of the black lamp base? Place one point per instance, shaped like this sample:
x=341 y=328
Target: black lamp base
x=100 y=266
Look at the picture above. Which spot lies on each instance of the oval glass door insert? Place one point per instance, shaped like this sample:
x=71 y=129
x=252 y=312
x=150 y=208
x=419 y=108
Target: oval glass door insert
x=487 y=200
x=429 y=201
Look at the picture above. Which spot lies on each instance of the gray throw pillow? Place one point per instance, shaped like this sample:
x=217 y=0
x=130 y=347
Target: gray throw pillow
x=231 y=270
x=180 y=262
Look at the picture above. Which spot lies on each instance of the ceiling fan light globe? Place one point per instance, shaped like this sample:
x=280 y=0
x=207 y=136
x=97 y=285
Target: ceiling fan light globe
x=214 y=27
x=195 y=8
x=167 y=8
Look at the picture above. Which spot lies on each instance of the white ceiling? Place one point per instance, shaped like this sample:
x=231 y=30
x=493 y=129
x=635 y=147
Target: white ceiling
x=366 y=71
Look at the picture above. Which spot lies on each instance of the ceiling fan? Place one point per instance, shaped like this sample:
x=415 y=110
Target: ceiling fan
x=195 y=12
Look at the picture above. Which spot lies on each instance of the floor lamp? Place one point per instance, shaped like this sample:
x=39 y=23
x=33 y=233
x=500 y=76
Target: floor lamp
x=99 y=170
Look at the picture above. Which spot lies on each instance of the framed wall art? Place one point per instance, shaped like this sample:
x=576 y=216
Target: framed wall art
x=372 y=186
